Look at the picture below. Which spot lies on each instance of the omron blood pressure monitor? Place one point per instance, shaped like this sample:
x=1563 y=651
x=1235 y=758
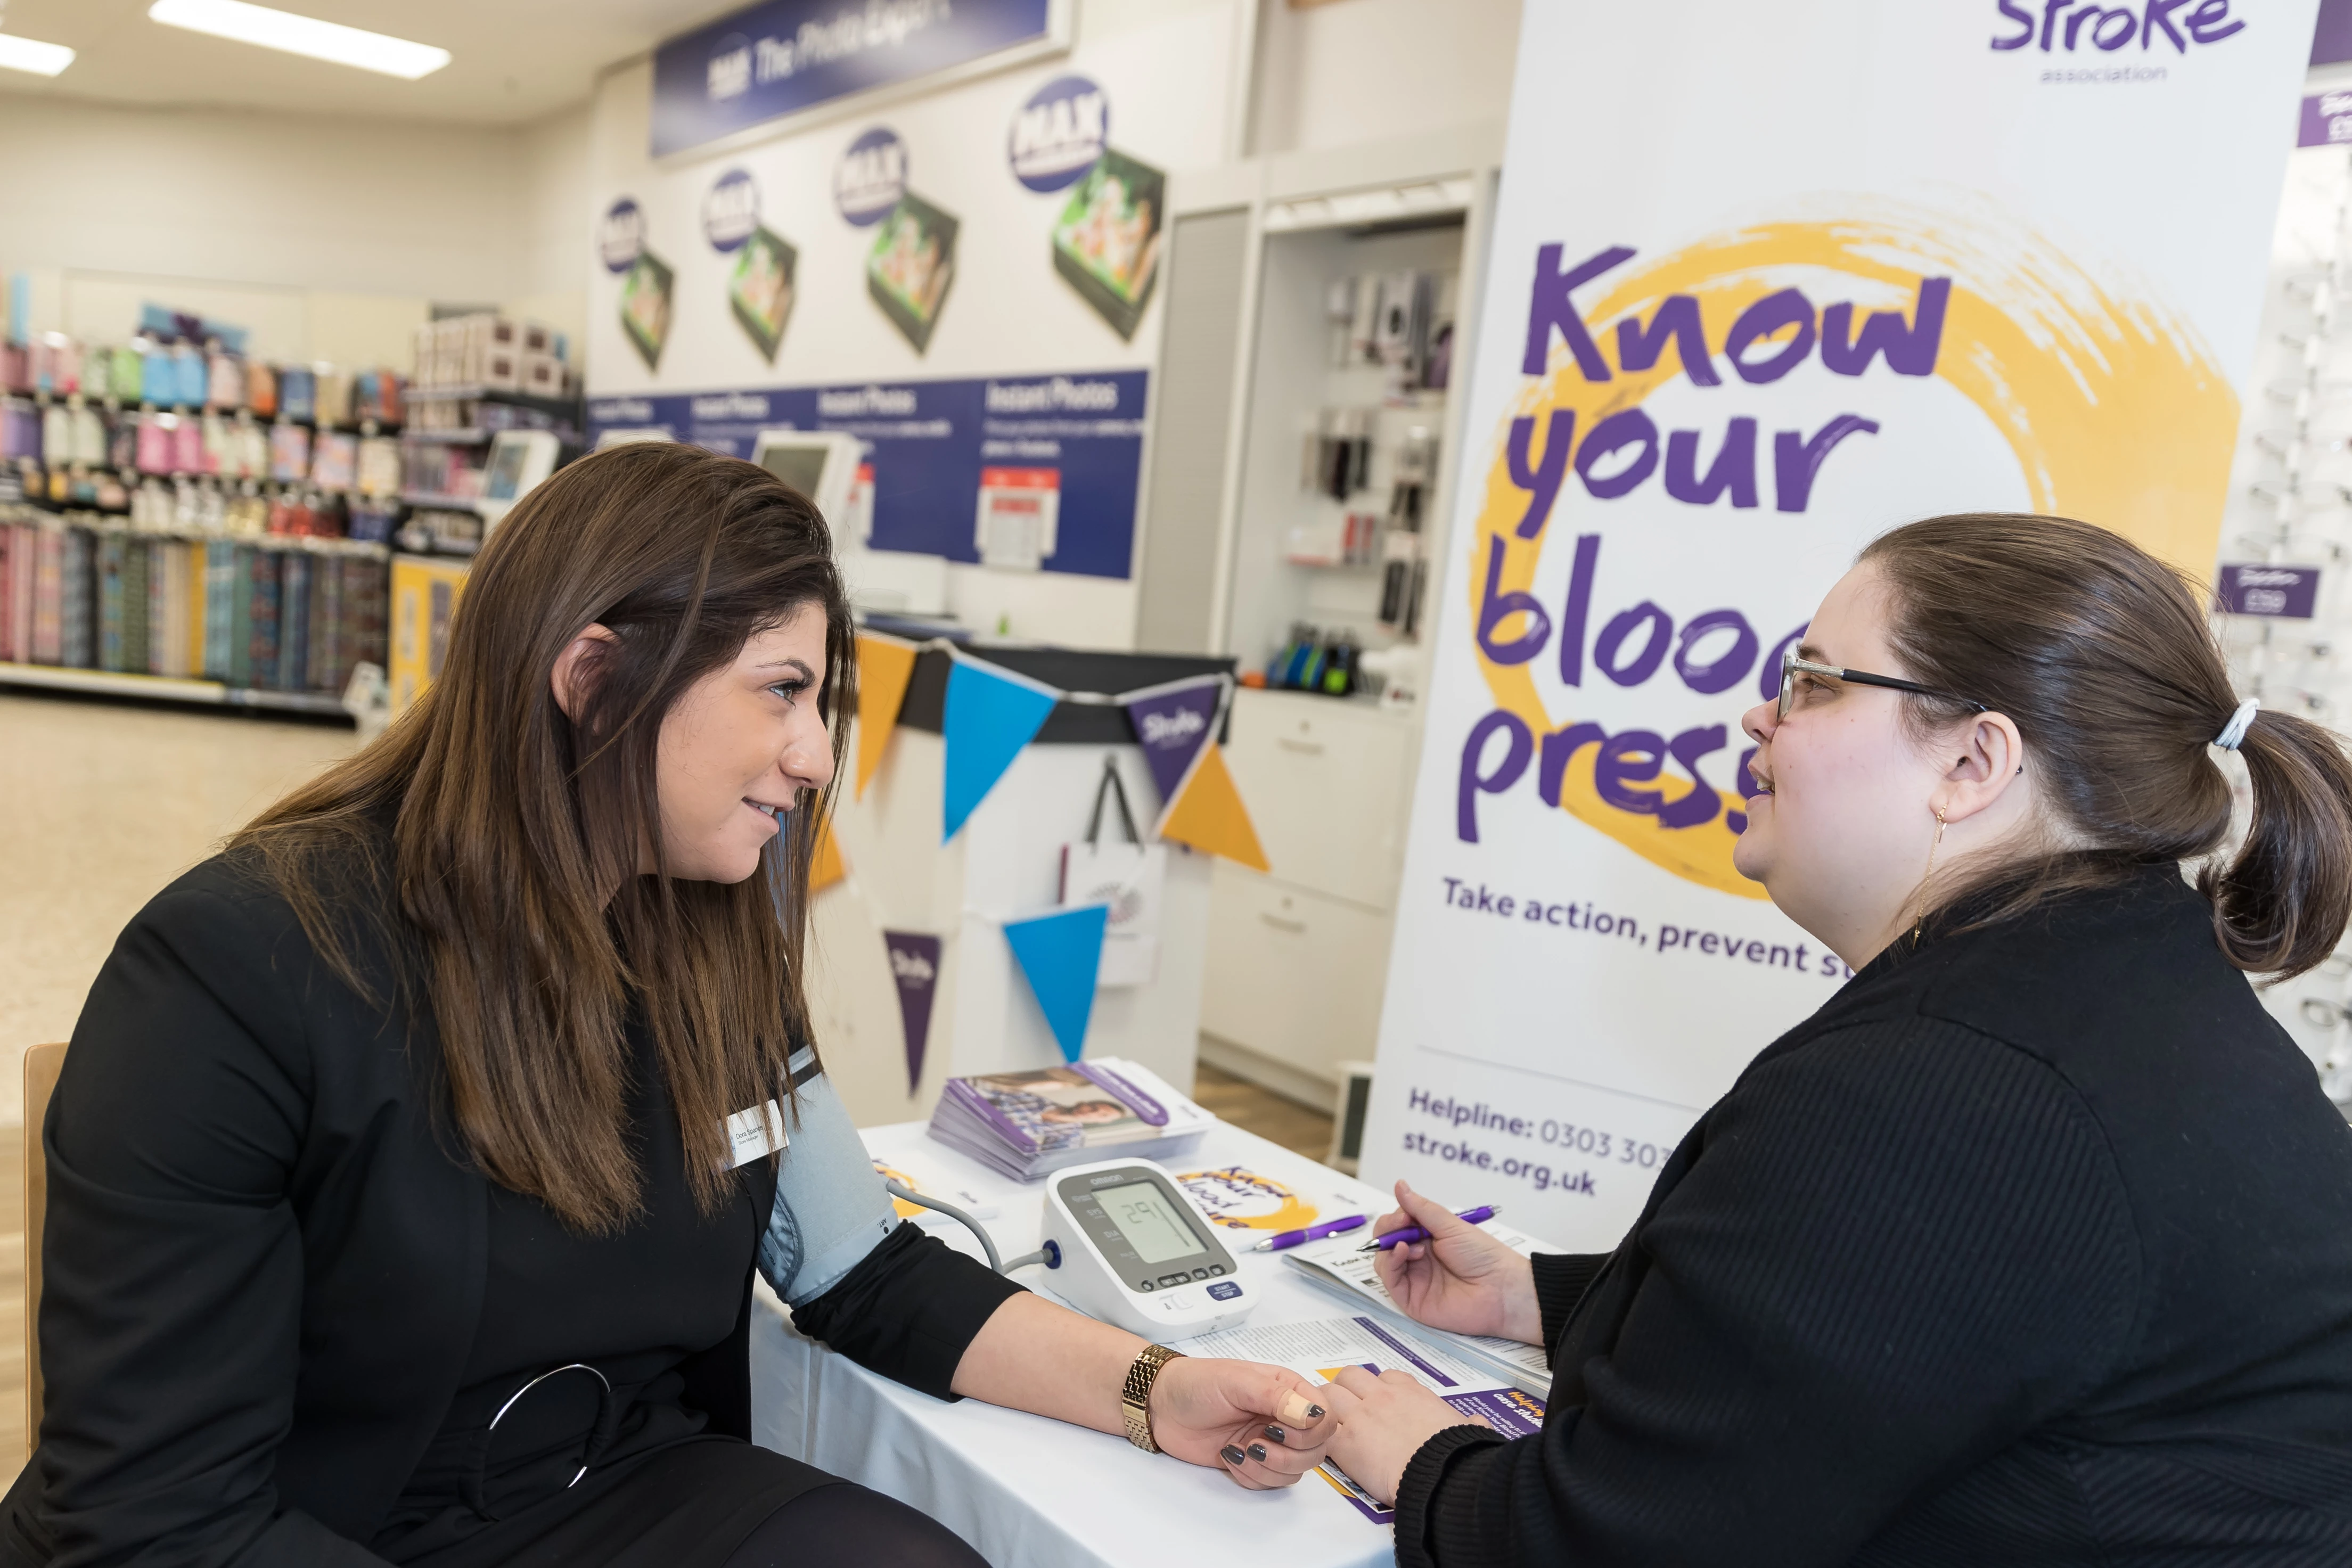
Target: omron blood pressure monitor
x=1127 y=1244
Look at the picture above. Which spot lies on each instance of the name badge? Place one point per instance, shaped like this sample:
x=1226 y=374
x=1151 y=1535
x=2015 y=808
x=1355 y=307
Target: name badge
x=754 y=1134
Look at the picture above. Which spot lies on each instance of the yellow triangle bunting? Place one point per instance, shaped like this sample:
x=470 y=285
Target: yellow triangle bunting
x=827 y=867
x=884 y=667
x=1207 y=814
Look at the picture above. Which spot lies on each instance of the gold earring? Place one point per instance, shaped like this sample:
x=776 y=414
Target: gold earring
x=1935 y=844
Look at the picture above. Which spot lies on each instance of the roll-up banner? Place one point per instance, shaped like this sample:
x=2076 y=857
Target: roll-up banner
x=1765 y=281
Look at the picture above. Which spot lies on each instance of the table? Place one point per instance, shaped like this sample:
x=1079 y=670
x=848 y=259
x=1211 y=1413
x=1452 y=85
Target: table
x=1038 y=1493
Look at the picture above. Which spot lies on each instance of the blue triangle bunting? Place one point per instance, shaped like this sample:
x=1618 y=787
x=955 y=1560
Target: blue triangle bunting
x=1060 y=954
x=990 y=717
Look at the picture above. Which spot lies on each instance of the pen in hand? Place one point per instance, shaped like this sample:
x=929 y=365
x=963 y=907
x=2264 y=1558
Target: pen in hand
x=1312 y=1233
x=1411 y=1233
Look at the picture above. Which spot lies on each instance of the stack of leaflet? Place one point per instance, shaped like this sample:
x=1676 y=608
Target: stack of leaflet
x=1339 y=1264
x=1027 y=1125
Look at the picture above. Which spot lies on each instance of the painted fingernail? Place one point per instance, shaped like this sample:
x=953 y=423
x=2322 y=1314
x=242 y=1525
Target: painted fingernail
x=1257 y=1452
x=1276 y=1433
x=1231 y=1455
x=1294 y=1410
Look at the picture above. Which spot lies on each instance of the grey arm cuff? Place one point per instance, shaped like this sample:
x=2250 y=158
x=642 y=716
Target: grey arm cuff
x=831 y=1209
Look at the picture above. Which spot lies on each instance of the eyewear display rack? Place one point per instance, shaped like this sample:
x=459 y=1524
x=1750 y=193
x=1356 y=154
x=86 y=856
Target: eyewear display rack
x=2282 y=609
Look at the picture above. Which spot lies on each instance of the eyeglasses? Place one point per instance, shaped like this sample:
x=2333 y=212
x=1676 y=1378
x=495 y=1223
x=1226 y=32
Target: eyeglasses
x=1792 y=666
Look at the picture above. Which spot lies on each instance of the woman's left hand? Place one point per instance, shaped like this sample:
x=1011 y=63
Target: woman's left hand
x=1384 y=1422
x=1264 y=1426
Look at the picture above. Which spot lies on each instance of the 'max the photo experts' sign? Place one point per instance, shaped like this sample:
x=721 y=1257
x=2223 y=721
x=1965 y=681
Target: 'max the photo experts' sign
x=784 y=57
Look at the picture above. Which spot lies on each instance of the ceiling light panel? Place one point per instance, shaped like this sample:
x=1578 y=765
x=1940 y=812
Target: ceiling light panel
x=24 y=55
x=273 y=29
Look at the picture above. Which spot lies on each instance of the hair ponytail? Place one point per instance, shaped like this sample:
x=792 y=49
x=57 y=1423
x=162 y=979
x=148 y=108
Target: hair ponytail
x=2104 y=658
x=2281 y=905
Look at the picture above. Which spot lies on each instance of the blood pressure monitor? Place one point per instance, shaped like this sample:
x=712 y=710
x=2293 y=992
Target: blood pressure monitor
x=1128 y=1246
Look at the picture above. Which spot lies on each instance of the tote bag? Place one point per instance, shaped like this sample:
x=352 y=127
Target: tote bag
x=1130 y=877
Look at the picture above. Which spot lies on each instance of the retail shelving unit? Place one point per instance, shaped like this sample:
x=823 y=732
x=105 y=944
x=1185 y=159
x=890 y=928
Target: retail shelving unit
x=166 y=688
x=560 y=415
x=1298 y=958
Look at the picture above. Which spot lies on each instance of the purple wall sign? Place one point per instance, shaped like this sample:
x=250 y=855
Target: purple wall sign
x=1058 y=134
x=1172 y=726
x=870 y=177
x=915 y=968
x=2326 y=120
x=731 y=211
x=930 y=440
x=621 y=235
x=2331 y=40
x=782 y=55
x=2285 y=593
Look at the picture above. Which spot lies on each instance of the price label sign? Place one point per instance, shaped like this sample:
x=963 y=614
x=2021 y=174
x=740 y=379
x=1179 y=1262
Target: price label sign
x=2281 y=592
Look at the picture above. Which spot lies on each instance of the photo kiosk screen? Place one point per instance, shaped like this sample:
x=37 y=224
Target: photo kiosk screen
x=504 y=482
x=798 y=467
x=1152 y=1226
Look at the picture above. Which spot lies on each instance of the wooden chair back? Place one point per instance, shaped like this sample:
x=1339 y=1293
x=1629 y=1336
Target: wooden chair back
x=42 y=1064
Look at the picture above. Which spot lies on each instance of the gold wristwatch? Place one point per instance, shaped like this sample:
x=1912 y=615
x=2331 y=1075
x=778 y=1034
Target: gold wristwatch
x=1135 y=1397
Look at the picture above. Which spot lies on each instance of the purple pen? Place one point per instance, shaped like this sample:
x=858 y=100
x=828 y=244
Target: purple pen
x=1312 y=1233
x=1415 y=1233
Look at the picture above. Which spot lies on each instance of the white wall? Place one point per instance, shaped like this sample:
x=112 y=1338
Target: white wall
x=1366 y=70
x=330 y=235
x=559 y=215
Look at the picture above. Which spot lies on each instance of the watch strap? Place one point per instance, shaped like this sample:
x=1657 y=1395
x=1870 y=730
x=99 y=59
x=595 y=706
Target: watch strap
x=1135 y=1397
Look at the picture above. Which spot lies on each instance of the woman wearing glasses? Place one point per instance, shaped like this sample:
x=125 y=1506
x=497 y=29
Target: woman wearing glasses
x=408 y=1172
x=2034 y=1244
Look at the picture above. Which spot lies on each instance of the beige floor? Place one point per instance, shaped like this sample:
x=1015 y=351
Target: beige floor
x=101 y=805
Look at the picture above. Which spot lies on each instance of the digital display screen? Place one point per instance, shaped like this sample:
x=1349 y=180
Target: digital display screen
x=504 y=480
x=798 y=467
x=1149 y=1221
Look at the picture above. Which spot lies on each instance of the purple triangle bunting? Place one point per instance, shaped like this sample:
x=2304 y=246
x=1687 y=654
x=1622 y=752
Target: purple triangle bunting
x=1172 y=724
x=915 y=968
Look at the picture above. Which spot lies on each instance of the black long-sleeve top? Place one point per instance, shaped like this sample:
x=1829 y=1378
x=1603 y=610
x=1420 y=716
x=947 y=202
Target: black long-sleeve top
x=271 y=1303
x=2033 y=1245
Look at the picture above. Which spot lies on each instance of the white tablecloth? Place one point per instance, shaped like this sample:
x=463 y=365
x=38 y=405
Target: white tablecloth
x=1036 y=1493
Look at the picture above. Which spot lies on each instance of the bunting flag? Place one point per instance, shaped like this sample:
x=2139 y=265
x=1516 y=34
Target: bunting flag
x=992 y=714
x=827 y=867
x=884 y=666
x=1207 y=813
x=915 y=968
x=1060 y=954
x=1171 y=724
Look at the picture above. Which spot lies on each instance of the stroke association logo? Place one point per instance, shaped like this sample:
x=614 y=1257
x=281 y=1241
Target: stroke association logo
x=2065 y=27
x=2111 y=408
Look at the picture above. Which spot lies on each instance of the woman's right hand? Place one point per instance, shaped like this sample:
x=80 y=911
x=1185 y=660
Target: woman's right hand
x=1461 y=1279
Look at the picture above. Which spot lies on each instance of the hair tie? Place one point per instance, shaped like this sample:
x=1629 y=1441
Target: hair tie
x=2240 y=722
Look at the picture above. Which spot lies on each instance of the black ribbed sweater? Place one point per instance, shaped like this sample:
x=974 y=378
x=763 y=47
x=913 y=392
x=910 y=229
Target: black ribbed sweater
x=2032 y=1245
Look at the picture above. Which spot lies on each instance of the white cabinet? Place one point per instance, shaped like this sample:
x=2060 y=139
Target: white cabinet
x=1326 y=782
x=1295 y=980
x=1298 y=959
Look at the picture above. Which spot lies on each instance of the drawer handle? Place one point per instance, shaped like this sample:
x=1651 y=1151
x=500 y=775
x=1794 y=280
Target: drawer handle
x=1312 y=748
x=1280 y=924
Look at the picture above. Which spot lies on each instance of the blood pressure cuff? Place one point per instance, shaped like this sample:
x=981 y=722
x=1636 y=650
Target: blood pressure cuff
x=890 y=1298
x=831 y=1209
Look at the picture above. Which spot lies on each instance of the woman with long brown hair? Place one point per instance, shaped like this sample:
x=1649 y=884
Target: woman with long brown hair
x=2034 y=1243
x=413 y=1156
